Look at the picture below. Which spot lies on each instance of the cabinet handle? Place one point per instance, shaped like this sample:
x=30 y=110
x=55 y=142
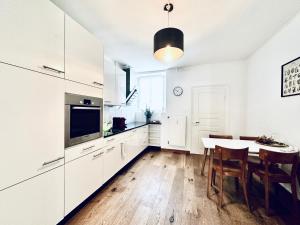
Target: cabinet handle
x=84 y=149
x=97 y=155
x=97 y=83
x=110 y=149
x=52 y=161
x=52 y=69
x=122 y=153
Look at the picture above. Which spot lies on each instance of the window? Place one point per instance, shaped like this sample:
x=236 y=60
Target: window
x=151 y=89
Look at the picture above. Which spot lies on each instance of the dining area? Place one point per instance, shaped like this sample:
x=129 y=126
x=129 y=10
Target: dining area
x=249 y=159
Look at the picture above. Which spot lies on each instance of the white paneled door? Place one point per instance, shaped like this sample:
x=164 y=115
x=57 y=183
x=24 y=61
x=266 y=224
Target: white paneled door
x=208 y=113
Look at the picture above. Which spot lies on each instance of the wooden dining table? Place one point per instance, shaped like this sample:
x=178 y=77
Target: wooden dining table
x=210 y=143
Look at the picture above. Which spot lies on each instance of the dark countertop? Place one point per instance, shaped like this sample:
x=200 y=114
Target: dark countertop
x=130 y=126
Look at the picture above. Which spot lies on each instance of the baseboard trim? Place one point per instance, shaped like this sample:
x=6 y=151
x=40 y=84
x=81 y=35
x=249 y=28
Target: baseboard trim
x=175 y=151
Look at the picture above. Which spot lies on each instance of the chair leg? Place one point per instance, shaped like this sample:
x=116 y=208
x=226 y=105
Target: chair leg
x=221 y=191
x=267 y=194
x=236 y=181
x=245 y=189
x=294 y=193
x=214 y=178
x=203 y=163
x=209 y=180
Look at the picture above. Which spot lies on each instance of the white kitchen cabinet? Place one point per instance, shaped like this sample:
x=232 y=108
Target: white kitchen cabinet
x=83 y=55
x=130 y=146
x=134 y=144
x=155 y=135
x=39 y=200
x=83 y=176
x=112 y=161
x=32 y=124
x=32 y=35
x=110 y=79
x=115 y=83
x=83 y=149
x=121 y=85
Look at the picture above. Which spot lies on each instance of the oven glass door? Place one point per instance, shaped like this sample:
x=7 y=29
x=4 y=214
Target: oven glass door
x=84 y=121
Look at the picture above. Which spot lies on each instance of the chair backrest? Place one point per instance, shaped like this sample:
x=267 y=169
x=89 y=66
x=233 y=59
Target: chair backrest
x=220 y=136
x=269 y=157
x=232 y=154
x=248 y=138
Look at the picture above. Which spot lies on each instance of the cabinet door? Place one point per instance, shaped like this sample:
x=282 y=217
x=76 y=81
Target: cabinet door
x=83 y=177
x=84 y=55
x=112 y=161
x=109 y=90
x=32 y=124
x=32 y=35
x=121 y=86
x=39 y=200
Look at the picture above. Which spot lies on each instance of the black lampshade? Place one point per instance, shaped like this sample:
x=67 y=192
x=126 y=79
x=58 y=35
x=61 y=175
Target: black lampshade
x=168 y=44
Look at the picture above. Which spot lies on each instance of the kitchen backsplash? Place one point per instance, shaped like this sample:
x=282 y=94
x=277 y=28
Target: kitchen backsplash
x=119 y=111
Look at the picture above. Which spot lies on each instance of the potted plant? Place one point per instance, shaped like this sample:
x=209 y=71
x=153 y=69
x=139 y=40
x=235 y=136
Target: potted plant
x=148 y=114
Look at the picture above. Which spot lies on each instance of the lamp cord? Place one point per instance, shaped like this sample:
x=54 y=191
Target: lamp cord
x=169 y=8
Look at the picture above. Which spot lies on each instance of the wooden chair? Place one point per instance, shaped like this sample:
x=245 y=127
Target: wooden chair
x=206 y=149
x=269 y=171
x=248 y=138
x=229 y=162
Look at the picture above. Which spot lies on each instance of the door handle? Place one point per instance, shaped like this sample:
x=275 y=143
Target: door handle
x=88 y=148
x=97 y=83
x=52 y=161
x=51 y=69
x=110 y=149
x=97 y=155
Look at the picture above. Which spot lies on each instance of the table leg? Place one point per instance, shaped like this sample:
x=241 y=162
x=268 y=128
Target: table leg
x=203 y=163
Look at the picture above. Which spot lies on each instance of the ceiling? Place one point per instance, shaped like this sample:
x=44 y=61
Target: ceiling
x=215 y=30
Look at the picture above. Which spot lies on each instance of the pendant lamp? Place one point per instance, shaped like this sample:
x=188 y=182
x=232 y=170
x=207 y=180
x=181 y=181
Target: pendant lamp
x=168 y=42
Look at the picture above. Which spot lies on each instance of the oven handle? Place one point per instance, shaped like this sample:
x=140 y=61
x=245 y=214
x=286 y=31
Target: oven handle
x=86 y=108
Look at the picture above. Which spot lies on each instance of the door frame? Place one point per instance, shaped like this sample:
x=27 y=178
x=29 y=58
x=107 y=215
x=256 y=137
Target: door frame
x=226 y=89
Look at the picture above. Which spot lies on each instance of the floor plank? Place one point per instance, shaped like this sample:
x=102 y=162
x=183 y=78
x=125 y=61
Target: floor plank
x=165 y=185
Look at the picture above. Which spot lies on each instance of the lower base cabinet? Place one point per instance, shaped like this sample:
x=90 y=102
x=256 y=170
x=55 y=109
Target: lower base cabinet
x=39 y=200
x=112 y=161
x=83 y=176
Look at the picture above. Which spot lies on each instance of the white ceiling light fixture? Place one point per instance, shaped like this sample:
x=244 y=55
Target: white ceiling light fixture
x=168 y=42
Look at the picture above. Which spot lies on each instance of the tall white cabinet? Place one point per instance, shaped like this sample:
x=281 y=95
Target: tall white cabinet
x=36 y=201
x=84 y=55
x=32 y=124
x=43 y=55
x=32 y=35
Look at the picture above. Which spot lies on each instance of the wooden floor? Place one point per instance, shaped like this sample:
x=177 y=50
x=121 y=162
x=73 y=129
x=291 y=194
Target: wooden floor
x=161 y=186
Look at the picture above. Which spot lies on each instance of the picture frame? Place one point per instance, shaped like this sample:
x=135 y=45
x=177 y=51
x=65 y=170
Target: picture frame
x=290 y=78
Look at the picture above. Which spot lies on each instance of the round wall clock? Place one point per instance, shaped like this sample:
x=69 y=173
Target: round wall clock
x=177 y=91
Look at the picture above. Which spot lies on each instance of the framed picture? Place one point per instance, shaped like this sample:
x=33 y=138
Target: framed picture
x=290 y=78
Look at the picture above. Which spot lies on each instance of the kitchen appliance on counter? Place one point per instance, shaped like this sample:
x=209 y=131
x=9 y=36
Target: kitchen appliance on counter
x=83 y=119
x=119 y=123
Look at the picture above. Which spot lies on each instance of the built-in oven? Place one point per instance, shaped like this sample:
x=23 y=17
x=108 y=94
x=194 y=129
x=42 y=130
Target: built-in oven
x=83 y=119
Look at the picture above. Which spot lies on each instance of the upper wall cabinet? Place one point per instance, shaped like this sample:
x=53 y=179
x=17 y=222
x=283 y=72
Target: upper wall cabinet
x=114 y=91
x=84 y=55
x=32 y=35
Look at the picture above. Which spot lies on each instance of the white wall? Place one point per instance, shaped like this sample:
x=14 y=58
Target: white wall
x=229 y=74
x=268 y=113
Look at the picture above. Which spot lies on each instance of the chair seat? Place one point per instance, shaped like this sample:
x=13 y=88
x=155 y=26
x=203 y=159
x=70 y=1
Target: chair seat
x=228 y=166
x=274 y=171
